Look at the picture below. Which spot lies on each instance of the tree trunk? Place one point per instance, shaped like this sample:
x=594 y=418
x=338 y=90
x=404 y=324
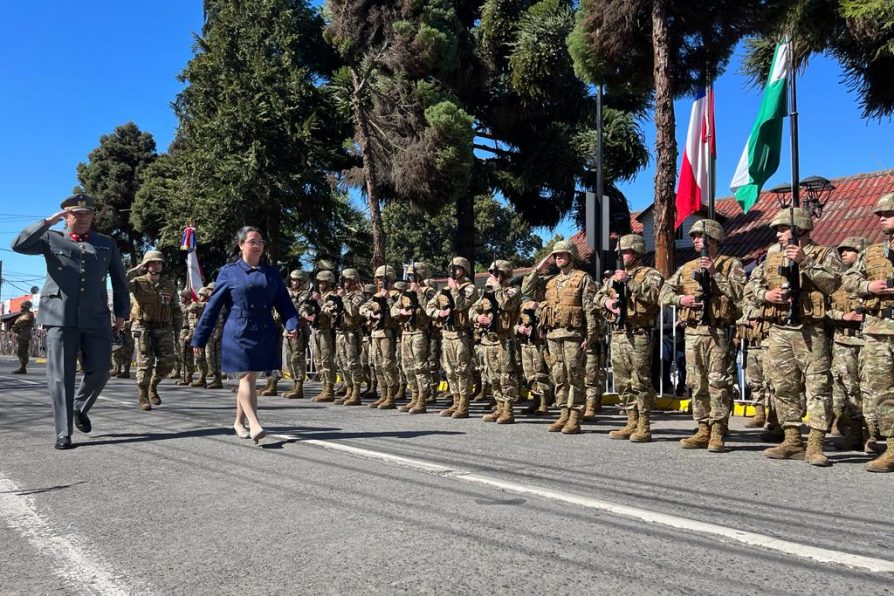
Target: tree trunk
x=372 y=195
x=665 y=143
x=464 y=241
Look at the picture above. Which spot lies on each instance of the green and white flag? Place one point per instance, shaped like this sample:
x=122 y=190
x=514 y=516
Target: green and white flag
x=761 y=155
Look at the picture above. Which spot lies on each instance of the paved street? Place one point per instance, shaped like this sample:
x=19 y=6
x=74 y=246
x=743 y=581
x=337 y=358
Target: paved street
x=356 y=501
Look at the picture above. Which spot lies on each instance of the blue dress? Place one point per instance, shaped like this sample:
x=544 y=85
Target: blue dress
x=250 y=340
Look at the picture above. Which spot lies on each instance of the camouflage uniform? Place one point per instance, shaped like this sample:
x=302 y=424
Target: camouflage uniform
x=566 y=315
x=877 y=263
x=154 y=315
x=123 y=356
x=456 y=340
x=631 y=344
x=495 y=314
x=212 y=349
x=409 y=313
x=369 y=374
x=707 y=343
x=347 y=322
x=532 y=341
x=799 y=352
x=296 y=347
x=23 y=328
x=194 y=314
x=187 y=360
x=323 y=336
x=377 y=310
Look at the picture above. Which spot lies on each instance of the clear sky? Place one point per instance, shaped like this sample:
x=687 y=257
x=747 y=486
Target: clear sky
x=73 y=71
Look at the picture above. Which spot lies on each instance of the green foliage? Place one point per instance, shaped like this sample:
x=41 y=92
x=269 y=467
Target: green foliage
x=113 y=174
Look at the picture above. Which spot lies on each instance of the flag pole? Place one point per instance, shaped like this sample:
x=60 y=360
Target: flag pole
x=709 y=95
x=793 y=125
x=598 y=257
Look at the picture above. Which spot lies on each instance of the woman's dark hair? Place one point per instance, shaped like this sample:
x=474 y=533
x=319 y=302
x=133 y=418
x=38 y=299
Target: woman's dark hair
x=242 y=236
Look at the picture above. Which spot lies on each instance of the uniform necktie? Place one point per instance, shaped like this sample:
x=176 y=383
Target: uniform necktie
x=79 y=237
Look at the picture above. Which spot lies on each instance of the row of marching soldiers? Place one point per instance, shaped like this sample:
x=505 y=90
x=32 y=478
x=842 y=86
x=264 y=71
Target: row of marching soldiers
x=821 y=320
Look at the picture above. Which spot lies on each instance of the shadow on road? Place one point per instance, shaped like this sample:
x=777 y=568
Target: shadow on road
x=36 y=491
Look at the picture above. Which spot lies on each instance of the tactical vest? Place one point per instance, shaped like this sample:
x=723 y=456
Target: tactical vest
x=348 y=322
x=324 y=321
x=24 y=324
x=504 y=324
x=811 y=300
x=153 y=301
x=722 y=311
x=840 y=300
x=195 y=313
x=639 y=314
x=422 y=321
x=565 y=307
x=460 y=317
x=877 y=267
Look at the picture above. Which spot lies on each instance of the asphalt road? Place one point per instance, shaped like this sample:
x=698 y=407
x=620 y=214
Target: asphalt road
x=357 y=501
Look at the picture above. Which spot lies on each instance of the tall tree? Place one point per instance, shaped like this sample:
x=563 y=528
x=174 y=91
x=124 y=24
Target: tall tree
x=260 y=134
x=113 y=174
x=668 y=48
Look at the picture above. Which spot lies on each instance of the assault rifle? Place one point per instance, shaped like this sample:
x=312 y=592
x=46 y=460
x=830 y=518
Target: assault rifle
x=704 y=280
x=791 y=288
x=889 y=254
x=529 y=320
x=311 y=305
x=384 y=310
x=339 y=308
x=493 y=310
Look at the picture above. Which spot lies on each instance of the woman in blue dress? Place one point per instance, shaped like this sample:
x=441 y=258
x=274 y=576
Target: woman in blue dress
x=249 y=289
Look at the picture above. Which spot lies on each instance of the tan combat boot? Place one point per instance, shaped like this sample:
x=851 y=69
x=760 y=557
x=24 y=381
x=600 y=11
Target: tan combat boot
x=326 y=394
x=420 y=406
x=144 y=399
x=414 y=397
x=272 y=387
x=629 y=429
x=814 y=454
x=401 y=392
x=388 y=402
x=643 y=432
x=837 y=424
x=870 y=439
x=154 y=398
x=462 y=407
x=590 y=409
x=790 y=448
x=543 y=408
x=185 y=380
x=451 y=409
x=381 y=398
x=717 y=444
x=493 y=416
x=217 y=382
x=354 y=398
x=298 y=392
x=200 y=382
x=700 y=439
x=572 y=427
x=759 y=419
x=341 y=390
x=885 y=462
x=507 y=417
x=288 y=394
x=774 y=430
x=559 y=424
x=481 y=394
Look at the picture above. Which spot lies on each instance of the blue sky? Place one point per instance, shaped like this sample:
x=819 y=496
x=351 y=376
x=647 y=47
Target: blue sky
x=73 y=71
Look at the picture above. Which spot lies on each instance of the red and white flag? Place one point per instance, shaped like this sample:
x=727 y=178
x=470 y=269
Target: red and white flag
x=698 y=158
x=193 y=269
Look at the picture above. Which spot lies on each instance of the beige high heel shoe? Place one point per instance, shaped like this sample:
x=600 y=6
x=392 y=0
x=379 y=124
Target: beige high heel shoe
x=241 y=432
x=257 y=435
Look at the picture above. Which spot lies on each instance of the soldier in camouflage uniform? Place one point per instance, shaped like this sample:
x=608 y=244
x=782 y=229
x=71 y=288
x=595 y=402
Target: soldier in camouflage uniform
x=754 y=334
x=399 y=288
x=369 y=374
x=187 y=359
x=847 y=340
x=434 y=356
x=566 y=315
x=195 y=311
x=408 y=311
x=631 y=344
x=798 y=342
x=324 y=335
x=212 y=349
x=872 y=279
x=346 y=320
x=123 y=356
x=449 y=309
x=377 y=311
x=296 y=345
x=594 y=369
x=532 y=342
x=707 y=319
x=154 y=316
x=495 y=314
x=23 y=328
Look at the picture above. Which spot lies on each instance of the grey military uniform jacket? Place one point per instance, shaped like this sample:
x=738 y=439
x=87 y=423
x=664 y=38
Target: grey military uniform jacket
x=74 y=294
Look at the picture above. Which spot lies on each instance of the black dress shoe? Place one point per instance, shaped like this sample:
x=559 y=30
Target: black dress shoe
x=64 y=443
x=82 y=423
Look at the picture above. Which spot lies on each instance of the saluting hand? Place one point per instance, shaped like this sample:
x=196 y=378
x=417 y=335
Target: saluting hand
x=56 y=217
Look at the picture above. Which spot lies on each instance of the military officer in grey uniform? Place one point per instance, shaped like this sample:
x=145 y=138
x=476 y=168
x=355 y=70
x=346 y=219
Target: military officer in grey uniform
x=74 y=308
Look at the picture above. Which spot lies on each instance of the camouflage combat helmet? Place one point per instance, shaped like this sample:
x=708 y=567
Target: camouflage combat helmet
x=204 y=291
x=462 y=262
x=504 y=267
x=153 y=256
x=369 y=289
x=801 y=217
x=299 y=275
x=327 y=276
x=710 y=228
x=385 y=270
x=211 y=286
x=566 y=246
x=400 y=286
x=857 y=243
x=26 y=305
x=351 y=274
x=885 y=203
x=422 y=270
x=325 y=265
x=633 y=242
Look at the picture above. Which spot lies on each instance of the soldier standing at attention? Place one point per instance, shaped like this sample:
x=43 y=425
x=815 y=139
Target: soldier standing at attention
x=495 y=314
x=753 y=333
x=296 y=345
x=872 y=278
x=409 y=312
x=798 y=344
x=324 y=335
x=377 y=310
x=23 y=328
x=187 y=361
x=344 y=310
x=365 y=360
x=154 y=317
x=449 y=308
x=195 y=315
x=631 y=343
x=566 y=314
x=706 y=289
x=74 y=308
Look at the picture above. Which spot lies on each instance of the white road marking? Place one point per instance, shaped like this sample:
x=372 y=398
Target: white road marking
x=21 y=380
x=81 y=569
x=723 y=533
